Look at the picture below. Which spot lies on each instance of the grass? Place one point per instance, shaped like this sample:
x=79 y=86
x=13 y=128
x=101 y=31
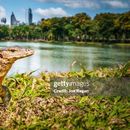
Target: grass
x=33 y=107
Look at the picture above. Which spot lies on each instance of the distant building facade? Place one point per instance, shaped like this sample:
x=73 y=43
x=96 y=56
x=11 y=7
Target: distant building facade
x=30 y=16
x=14 y=20
x=3 y=20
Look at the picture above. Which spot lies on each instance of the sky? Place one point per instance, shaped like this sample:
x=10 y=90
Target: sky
x=59 y=8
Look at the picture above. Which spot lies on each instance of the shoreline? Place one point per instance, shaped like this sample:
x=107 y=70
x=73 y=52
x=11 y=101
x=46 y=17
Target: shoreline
x=82 y=43
x=34 y=97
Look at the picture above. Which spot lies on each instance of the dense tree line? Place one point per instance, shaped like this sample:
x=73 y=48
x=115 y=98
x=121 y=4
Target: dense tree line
x=81 y=27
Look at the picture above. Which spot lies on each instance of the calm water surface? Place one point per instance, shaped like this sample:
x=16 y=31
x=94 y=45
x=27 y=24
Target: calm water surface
x=59 y=58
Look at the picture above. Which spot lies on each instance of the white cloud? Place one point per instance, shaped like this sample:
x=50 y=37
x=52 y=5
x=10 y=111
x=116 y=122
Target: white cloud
x=90 y=4
x=84 y=3
x=2 y=12
x=76 y=3
x=117 y=4
x=51 y=12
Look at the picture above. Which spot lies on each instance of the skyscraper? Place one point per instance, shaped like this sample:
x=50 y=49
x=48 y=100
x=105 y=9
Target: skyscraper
x=3 y=20
x=13 y=19
x=30 y=16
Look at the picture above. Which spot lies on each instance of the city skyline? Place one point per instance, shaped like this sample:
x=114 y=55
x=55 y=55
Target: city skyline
x=58 y=8
x=14 y=21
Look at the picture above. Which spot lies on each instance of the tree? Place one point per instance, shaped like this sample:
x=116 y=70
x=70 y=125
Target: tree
x=106 y=25
x=4 y=32
x=122 y=25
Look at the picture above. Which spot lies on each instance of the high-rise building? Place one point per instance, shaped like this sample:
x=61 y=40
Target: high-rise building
x=30 y=16
x=13 y=19
x=3 y=20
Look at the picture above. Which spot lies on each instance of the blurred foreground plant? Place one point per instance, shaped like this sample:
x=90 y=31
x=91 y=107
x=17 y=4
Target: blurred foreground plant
x=33 y=107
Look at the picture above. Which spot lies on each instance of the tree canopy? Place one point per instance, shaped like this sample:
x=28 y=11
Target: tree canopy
x=80 y=27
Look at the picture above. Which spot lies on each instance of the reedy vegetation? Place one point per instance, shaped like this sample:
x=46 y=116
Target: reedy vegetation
x=105 y=27
x=33 y=107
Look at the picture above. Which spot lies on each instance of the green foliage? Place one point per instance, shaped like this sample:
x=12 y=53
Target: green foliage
x=4 y=31
x=105 y=27
x=33 y=107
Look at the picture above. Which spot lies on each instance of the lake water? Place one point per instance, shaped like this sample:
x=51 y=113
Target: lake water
x=61 y=58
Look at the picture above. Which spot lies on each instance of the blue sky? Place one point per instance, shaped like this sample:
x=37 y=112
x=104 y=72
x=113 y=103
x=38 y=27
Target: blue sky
x=59 y=8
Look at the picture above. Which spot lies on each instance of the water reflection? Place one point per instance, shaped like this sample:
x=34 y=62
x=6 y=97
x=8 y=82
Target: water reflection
x=50 y=57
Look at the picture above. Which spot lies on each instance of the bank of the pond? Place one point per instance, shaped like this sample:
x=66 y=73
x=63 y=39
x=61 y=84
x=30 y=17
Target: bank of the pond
x=82 y=43
x=34 y=107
